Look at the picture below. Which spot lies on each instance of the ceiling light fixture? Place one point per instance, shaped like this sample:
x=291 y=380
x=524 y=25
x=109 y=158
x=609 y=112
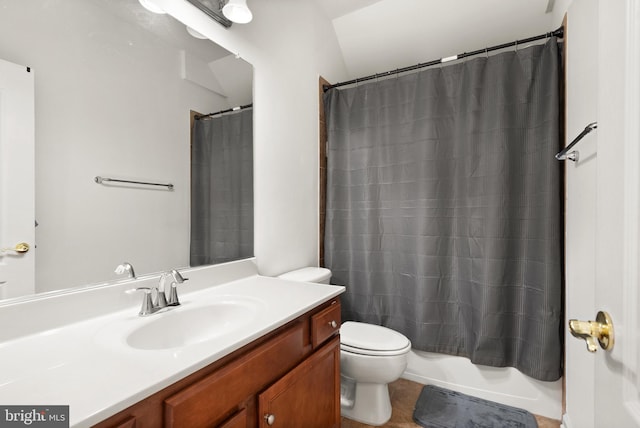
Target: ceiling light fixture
x=195 y=34
x=237 y=11
x=152 y=7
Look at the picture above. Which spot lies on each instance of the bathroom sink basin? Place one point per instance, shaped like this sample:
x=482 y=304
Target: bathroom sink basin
x=187 y=326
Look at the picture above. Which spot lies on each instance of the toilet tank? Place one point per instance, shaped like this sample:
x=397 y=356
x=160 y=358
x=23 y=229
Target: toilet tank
x=308 y=274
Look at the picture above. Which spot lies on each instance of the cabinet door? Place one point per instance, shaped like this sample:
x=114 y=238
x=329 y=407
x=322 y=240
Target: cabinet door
x=308 y=396
x=239 y=420
x=207 y=401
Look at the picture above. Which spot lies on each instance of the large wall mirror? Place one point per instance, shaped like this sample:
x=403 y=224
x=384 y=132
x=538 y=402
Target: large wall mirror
x=116 y=91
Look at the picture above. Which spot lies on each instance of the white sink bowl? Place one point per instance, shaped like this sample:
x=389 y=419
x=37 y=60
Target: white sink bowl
x=184 y=326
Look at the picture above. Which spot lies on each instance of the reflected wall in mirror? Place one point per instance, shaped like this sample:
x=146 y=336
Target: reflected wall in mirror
x=114 y=88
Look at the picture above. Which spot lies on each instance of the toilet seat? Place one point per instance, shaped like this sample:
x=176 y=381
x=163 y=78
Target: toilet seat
x=370 y=339
x=375 y=353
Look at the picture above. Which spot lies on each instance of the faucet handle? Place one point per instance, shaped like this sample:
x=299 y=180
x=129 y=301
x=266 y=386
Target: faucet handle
x=125 y=267
x=177 y=276
x=147 y=307
x=147 y=290
x=173 y=295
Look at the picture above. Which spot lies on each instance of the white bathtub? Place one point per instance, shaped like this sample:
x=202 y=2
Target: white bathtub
x=503 y=385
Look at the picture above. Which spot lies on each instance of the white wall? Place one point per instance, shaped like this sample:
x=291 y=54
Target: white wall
x=290 y=43
x=391 y=34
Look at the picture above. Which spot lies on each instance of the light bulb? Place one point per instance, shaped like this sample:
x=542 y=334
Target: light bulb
x=237 y=11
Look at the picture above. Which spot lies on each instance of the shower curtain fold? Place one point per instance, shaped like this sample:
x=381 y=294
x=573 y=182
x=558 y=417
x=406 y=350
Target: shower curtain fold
x=444 y=207
x=222 y=189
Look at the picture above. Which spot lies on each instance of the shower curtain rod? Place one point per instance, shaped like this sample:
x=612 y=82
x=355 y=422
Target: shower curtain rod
x=202 y=116
x=557 y=33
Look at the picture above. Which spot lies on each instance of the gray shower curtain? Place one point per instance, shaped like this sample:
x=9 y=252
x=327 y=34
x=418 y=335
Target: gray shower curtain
x=444 y=207
x=222 y=188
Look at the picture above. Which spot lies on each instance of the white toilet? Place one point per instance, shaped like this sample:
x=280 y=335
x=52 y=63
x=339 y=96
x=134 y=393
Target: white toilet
x=371 y=356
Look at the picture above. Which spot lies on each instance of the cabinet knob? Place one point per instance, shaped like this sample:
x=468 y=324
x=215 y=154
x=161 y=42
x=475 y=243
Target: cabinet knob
x=270 y=418
x=333 y=324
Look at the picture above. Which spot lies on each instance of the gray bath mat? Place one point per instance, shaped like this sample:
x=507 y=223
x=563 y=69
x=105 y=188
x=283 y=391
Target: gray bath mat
x=442 y=408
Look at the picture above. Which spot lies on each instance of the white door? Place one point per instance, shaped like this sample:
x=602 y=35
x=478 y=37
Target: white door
x=617 y=374
x=17 y=180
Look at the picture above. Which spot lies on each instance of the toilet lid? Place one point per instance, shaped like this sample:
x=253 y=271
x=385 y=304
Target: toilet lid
x=371 y=337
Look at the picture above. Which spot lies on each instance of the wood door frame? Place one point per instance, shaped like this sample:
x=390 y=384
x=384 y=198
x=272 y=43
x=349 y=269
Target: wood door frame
x=322 y=153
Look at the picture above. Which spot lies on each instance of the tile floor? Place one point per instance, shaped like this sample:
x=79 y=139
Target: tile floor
x=404 y=394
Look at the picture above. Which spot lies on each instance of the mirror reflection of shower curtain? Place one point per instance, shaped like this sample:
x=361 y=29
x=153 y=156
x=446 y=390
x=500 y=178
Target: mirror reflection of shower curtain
x=444 y=214
x=222 y=188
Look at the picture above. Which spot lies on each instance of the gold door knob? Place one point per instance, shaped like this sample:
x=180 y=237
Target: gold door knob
x=601 y=330
x=21 y=247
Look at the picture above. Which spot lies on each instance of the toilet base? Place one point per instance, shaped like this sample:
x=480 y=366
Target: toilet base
x=372 y=404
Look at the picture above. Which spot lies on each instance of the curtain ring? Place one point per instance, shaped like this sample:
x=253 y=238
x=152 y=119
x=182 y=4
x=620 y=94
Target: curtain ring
x=516 y=46
x=486 y=52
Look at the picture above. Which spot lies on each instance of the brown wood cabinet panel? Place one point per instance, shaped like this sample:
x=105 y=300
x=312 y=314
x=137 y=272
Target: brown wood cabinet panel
x=308 y=396
x=325 y=323
x=215 y=397
x=129 y=422
x=239 y=420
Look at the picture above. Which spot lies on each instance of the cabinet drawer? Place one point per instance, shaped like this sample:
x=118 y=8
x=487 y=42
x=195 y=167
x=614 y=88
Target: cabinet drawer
x=206 y=402
x=239 y=420
x=130 y=422
x=325 y=323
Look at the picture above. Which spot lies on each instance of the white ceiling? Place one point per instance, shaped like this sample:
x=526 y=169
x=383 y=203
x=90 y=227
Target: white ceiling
x=380 y=35
x=337 y=8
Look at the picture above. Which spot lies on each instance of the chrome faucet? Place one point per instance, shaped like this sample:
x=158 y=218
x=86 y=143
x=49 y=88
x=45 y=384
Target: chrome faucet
x=126 y=267
x=161 y=300
x=151 y=305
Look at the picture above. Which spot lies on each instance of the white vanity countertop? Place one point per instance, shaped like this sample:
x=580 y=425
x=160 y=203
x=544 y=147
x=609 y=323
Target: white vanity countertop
x=88 y=365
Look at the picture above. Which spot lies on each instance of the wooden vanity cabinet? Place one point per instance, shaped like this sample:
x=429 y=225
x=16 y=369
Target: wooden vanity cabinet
x=292 y=373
